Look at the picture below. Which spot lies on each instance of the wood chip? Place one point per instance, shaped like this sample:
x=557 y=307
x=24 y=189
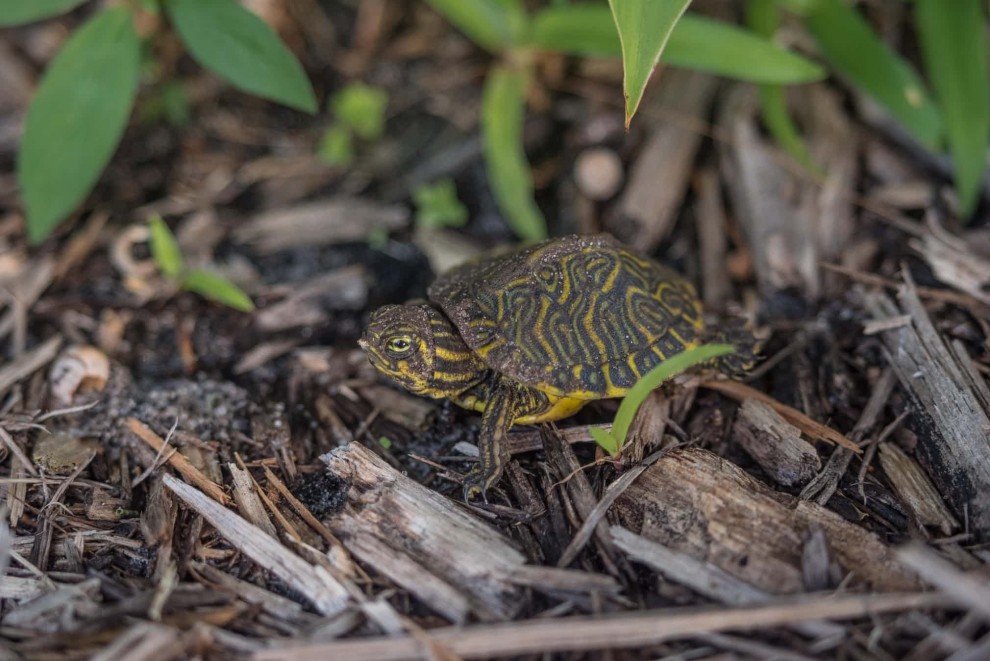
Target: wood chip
x=177 y=461
x=422 y=541
x=689 y=498
x=316 y=584
x=814 y=429
x=775 y=444
x=915 y=490
x=705 y=578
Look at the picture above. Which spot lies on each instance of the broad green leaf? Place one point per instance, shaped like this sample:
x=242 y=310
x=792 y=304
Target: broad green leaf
x=217 y=288
x=856 y=52
x=585 y=30
x=954 y=48
x=19 y=12
x=240 y=48
x=77 y=118
x=165 y=249
x=763 y=17
x=708 y=45
x=503 y=111
x=644 y=28
x=485 y=22
x=696 y=43
x=650 y=382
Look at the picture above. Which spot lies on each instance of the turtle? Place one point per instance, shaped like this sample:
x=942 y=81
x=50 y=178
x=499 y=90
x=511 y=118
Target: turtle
x=534 y=334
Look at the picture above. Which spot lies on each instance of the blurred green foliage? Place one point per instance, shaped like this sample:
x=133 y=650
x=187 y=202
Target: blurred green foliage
x=504 y=28
x=96 y=74
x=437 y=205
x=358 y=110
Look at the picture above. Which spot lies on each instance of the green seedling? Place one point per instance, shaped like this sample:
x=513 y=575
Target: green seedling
x=168 y=257
x=613 y=442
x=437 y=205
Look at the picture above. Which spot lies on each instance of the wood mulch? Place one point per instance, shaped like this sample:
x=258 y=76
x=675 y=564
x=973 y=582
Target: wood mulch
x=182 y=481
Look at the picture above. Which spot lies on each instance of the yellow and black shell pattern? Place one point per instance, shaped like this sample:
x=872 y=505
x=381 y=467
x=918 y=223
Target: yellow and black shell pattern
x=577 y=316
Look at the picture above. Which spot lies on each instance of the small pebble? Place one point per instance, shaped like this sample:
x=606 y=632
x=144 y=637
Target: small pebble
x=598 y=173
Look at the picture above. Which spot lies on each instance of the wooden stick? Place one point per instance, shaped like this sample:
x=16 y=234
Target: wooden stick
x=813 y=428
x=587 y=633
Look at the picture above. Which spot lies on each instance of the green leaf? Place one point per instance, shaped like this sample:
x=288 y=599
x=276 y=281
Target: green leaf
x=503 y=110
x=763 y=17
x=362 y=108
x=77 y=118
x=708 y=45
x=856 y=52
x=647 y=384
x=585 y=30
x=485 y=22
x=240 y=48
x=217 y=288
x=696 y=43
x=437 y=205
x=954 y=48
x=644 y=28
x=19 y=12
x=165 y=249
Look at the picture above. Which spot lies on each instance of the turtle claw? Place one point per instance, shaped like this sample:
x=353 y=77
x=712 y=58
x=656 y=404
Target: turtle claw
x=477 y=484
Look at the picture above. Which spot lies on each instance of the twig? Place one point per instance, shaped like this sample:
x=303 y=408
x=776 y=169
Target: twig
x=587 y=633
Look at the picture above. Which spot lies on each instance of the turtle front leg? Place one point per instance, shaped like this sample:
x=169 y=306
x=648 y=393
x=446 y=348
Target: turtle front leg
x=506 y=401
x=497 y=419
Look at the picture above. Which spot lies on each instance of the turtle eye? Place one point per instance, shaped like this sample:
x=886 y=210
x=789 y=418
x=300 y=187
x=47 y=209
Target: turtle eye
x=399 y=346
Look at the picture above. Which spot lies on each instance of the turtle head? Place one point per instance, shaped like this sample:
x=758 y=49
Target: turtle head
x=418 y=347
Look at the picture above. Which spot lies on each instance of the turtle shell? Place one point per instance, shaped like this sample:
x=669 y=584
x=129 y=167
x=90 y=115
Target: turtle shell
x=577 y=316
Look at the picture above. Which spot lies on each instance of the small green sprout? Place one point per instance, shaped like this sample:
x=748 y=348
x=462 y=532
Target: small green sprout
x=437 y=205
x=167 y=255
x=385 y=442
x=358 y=110
x=613 y=442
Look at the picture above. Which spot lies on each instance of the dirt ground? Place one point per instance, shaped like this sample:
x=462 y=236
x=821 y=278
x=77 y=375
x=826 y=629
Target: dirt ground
x=184 y=481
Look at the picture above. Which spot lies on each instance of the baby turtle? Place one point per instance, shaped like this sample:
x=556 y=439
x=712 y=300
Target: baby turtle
x=533 y=335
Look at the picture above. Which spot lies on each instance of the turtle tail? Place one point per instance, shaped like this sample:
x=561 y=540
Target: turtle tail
x=733 y=331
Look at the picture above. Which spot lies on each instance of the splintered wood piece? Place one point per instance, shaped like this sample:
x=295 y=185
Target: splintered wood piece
x=698 y=503
x=952 y=438
x=915 y=490
x=327 y=595
x=582 y=633
x=775 y=444
x=422 y=541
x=247 y=500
